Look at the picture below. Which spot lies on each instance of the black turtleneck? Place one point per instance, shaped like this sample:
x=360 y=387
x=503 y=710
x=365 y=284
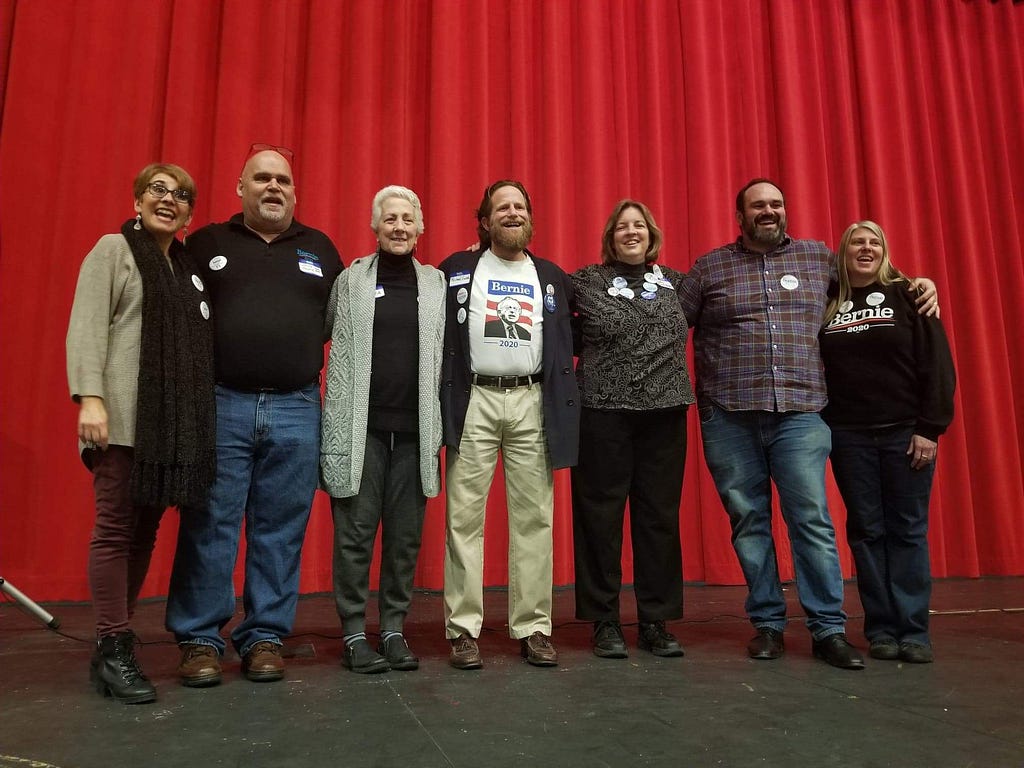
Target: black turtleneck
x=394 y=374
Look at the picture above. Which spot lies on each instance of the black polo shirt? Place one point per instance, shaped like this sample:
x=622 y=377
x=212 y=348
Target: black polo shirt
x=269 y=301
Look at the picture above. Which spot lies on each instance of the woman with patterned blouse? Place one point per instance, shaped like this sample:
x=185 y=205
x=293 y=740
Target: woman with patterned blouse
x=630 y=337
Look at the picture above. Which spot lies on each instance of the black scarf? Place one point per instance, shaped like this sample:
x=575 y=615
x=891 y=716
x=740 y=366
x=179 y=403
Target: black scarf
x=174 y=423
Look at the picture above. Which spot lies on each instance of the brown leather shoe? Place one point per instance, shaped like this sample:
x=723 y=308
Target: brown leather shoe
x=200 y=665
x=263 y=662
x=465 y=653
x=538 y=650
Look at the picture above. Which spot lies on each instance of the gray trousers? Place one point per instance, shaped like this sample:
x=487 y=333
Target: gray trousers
x=390 y=496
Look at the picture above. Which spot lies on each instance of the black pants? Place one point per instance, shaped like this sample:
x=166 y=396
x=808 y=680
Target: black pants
x=639 y=456
x=390 y=496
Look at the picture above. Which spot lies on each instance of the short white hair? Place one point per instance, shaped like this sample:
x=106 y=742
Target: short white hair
x=403 y=193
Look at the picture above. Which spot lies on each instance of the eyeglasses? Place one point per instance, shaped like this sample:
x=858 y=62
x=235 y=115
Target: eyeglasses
x=158 y=191
x=283 y=151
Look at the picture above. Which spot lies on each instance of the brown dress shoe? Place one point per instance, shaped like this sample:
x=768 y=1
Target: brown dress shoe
x=200 y=665
x=263 y=662
x=538 y=650
x=465 y=654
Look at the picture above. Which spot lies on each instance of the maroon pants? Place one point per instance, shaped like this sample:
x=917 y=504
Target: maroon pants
x=122 y=541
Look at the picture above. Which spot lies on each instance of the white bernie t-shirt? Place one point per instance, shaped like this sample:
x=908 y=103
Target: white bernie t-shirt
x=506 y=312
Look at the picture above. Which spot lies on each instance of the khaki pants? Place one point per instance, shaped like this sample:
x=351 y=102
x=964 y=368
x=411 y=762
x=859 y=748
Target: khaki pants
x=512 y=421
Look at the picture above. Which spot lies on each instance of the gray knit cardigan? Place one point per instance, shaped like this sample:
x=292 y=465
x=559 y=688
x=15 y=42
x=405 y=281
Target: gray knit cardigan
x=346 y=405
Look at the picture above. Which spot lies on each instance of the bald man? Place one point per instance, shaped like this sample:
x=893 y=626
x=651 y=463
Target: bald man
x=269 y=278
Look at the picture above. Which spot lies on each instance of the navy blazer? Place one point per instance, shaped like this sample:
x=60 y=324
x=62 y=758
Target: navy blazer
x=561 y=395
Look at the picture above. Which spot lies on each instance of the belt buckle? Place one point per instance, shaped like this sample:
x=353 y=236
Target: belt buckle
x=508 y=382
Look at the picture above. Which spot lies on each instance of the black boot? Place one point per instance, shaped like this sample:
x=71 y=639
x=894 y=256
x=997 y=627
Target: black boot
x=116 y=673
x=94 y=664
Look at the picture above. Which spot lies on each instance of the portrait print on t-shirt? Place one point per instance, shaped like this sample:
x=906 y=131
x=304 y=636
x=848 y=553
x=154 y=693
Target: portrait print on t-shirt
x=509 y=312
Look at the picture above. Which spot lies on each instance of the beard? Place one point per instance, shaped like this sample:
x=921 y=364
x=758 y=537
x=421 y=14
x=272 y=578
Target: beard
x=765 y=230
x=516 y=238
x=275 y=215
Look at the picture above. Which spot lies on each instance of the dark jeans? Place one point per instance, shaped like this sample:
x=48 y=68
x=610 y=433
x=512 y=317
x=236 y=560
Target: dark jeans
x=122 y=540
x=887 y=527
x=637 y=456
x=390 y=496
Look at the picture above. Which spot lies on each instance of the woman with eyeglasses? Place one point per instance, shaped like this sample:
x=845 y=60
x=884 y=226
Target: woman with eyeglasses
x=139 y=358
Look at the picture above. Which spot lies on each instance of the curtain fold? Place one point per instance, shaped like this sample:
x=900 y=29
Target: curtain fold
x=903 y=111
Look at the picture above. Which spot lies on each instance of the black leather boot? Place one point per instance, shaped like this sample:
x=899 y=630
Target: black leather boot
x=116 y=673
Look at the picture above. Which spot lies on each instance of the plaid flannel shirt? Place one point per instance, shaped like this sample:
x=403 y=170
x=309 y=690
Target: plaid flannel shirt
x=756 y=319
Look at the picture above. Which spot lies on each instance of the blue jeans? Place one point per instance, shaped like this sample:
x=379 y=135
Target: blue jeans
x=887 y=526
x=746 y=451
x=268 y=451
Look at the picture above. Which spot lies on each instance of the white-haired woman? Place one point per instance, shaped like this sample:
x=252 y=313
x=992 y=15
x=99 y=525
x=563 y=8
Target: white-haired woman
x=381 y=429
x=890 y=395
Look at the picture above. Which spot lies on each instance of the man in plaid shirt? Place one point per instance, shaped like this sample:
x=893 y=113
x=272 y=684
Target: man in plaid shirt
x=756 y=307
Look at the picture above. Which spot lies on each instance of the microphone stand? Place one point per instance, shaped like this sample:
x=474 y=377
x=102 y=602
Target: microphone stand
x=28 y=604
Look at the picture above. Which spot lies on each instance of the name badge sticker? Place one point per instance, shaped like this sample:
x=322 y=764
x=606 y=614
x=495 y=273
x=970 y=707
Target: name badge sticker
x=218 y=263
x=459 y=278
x=379 y=292
x=310 y=268
x=789 y=282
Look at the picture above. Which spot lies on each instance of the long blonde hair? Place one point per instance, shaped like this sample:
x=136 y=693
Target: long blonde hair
x=887 y=273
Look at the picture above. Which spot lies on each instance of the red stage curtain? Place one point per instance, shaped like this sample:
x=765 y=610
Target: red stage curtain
x=903 y=111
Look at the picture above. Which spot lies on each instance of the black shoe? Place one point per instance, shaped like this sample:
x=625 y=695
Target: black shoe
x=117 y=673
x=885 y=649
x=837 y=651
x=397 y=652
x=658 y=640
x=360 y=657
x=766 y=644
x=608 y=640
x=916 y=653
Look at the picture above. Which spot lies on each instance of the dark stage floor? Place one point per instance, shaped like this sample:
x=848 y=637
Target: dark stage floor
x=715 y=707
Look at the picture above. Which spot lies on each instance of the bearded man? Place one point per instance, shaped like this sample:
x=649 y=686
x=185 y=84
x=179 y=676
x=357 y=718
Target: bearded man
x=517 y=396
x=756 y=307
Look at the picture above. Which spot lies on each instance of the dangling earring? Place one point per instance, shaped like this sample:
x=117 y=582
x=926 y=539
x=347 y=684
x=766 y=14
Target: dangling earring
x=138 y=222
x=184 y=235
